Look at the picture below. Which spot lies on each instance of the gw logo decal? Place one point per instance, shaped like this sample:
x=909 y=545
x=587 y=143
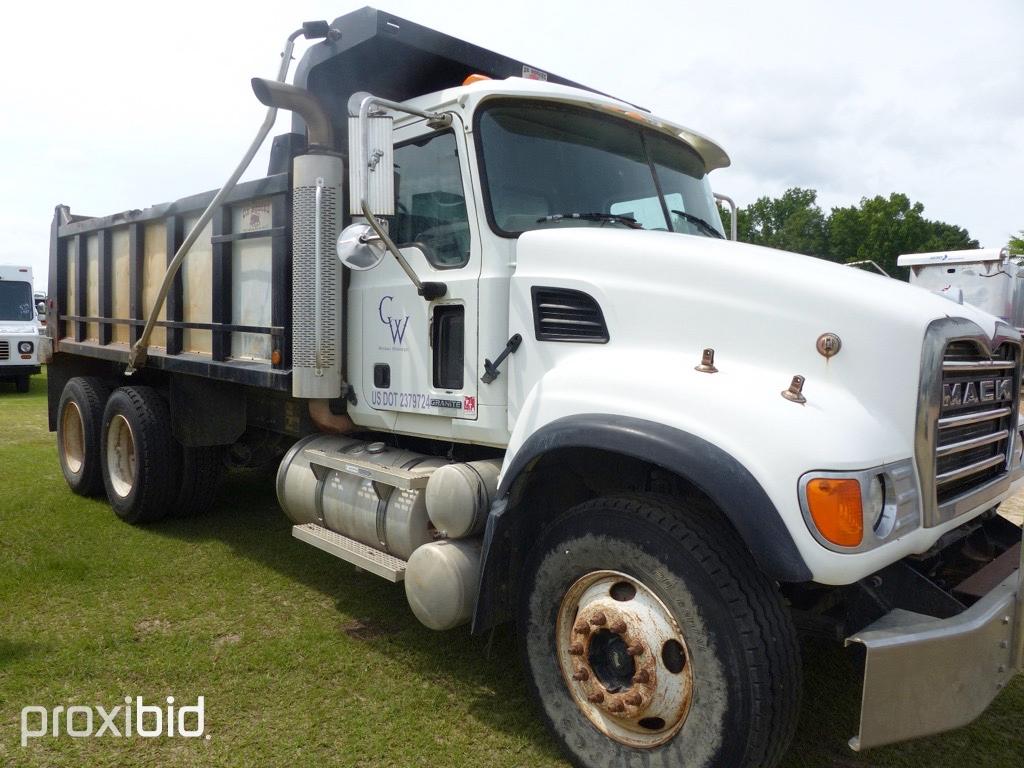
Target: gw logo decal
x=980 y=391
x=397 y=326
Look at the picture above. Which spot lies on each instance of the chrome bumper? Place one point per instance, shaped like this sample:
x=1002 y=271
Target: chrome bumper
x=924 y=675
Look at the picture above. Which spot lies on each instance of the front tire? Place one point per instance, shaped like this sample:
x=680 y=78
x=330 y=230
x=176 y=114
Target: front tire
x=79 y=430
x=22 y=384
x=140 y=458
x=650 y=637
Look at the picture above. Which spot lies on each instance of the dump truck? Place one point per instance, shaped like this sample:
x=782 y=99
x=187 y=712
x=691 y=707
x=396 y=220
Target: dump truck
x=19 y=335
x=488 y=325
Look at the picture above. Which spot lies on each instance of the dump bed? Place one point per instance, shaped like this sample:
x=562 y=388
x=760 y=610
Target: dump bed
x=227 y=315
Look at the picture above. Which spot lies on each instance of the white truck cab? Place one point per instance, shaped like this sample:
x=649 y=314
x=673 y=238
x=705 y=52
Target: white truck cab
x=19 y=327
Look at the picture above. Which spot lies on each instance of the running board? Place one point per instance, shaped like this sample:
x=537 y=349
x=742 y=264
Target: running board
x=351 y=551
x=396 y=477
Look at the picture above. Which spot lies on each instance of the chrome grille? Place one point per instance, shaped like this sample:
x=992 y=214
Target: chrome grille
x=5 y=350
x=976 y=418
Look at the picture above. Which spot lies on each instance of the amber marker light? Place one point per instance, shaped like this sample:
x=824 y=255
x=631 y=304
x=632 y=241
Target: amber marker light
x=836 y=509
x=475 y=78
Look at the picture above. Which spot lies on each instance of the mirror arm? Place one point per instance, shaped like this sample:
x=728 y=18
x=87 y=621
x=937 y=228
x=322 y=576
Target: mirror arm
x=436 y=120
x=429 y=291
x=732 y=213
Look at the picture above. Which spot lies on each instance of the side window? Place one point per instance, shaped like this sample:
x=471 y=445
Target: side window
x=430 y=204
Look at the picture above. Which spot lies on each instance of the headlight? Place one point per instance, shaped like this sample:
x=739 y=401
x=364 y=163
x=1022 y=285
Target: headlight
x=860 y=510
x=25 y=347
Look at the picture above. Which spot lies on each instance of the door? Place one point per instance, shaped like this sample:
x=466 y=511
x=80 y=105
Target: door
x=418 y=358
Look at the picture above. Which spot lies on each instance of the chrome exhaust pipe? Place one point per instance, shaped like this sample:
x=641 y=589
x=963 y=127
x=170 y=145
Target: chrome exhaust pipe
x=301 y=101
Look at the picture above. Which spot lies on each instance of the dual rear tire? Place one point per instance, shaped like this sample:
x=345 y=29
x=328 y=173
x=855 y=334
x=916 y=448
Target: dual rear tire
x=121 y=442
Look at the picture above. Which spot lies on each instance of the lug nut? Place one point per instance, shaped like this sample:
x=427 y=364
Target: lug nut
x=617 y=706
x=581 y=676
x=595 y=698
x=642 y=677
x=576 y=649
x=618 y=627
x=635 y=649
x=634 y=699
x=582 y=628
x=599 y=620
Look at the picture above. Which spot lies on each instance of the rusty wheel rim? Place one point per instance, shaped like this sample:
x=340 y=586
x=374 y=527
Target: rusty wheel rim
x=624 y=659
x=72 y=438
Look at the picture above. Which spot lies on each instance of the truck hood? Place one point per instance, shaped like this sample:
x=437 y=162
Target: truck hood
x=760 y=309
x=12 y=328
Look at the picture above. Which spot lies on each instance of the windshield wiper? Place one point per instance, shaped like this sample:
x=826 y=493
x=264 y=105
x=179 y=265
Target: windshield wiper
x=699 y=222
x=629 y=221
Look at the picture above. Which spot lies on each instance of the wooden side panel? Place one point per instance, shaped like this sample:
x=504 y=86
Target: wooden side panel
x=154 y=266
x=120 y=283
x=71 y=270
x=92 y=289
x=197 y=277
x=251 y=270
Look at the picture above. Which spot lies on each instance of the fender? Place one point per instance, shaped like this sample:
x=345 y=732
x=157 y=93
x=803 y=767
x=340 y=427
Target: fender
x=716 y=473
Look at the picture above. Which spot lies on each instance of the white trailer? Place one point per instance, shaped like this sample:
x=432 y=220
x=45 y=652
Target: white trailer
x=987 y=278
x=19 y=327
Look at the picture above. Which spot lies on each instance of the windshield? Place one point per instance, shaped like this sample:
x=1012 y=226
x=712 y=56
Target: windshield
x=16 y=301
x=550 y=165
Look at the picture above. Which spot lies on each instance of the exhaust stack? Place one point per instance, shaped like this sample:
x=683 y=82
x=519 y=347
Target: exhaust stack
x=317 y=308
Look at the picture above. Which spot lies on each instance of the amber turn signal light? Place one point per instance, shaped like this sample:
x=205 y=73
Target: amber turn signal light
x=836 y=509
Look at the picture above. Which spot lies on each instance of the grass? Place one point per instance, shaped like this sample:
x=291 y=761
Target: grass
x=301 y=660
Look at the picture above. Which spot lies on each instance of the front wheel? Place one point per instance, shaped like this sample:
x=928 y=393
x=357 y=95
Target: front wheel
x=22 y=384
x=650 y=637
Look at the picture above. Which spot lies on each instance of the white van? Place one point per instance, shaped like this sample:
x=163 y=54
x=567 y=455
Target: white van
x=19 y=327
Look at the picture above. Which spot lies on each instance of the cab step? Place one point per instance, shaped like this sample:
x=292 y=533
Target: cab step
x=351 y=551
x=396 y=477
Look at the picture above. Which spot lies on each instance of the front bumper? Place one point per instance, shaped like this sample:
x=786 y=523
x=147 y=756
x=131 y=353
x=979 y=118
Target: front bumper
x=9 y=371
x=924 y=675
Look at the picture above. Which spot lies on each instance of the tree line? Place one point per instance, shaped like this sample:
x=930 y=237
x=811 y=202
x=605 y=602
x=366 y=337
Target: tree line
x=877 y=229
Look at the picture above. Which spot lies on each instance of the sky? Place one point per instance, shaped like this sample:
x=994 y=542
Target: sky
x=109 y=106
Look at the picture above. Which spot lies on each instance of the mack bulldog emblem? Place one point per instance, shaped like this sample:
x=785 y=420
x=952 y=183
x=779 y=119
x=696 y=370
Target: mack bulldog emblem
x=978 y=391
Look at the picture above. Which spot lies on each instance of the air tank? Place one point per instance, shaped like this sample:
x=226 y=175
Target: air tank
x=348 y=504
x=459 y=497
x=441 y=582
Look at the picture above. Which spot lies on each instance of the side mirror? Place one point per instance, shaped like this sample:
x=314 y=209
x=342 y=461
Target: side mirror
x=360 y=248
x=371 y=167
x=40 y=307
